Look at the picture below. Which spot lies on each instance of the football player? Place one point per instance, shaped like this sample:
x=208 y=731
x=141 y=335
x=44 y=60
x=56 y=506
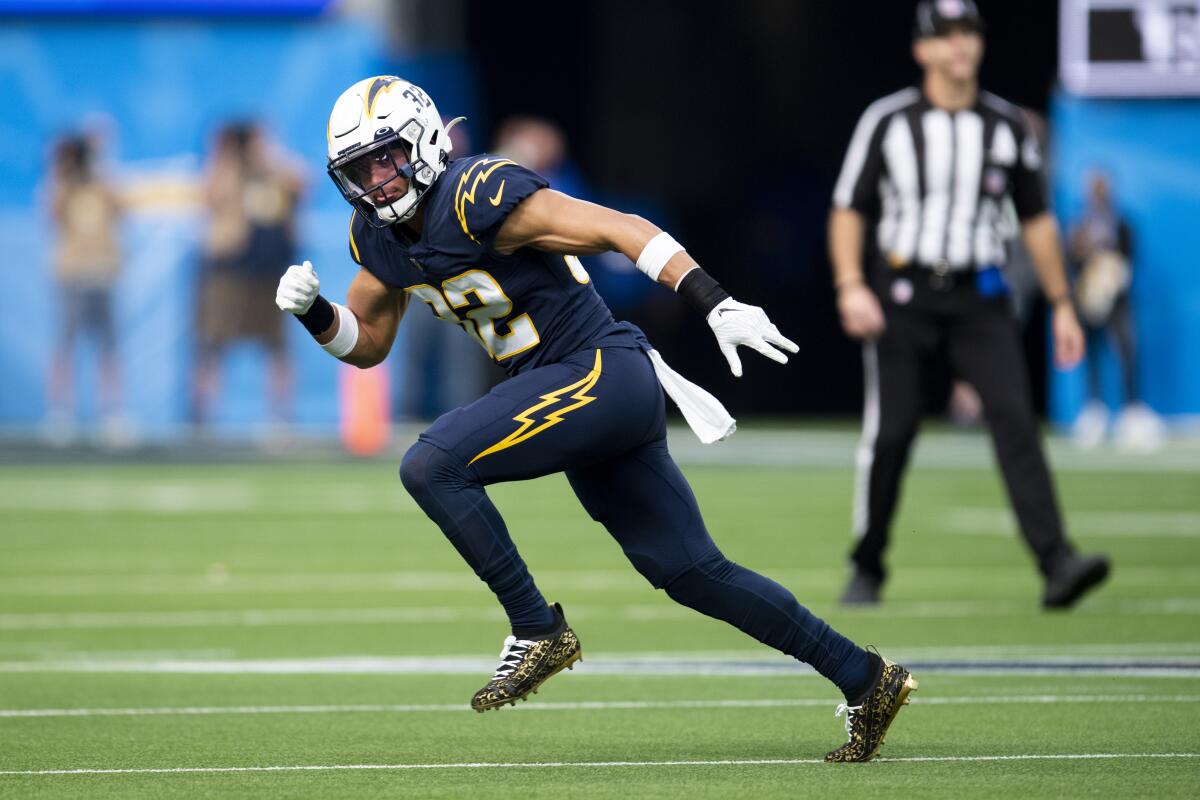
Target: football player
x=490 y=248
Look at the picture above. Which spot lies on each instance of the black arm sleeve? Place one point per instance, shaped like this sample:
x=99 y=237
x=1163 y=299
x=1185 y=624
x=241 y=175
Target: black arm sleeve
x=1030 y=195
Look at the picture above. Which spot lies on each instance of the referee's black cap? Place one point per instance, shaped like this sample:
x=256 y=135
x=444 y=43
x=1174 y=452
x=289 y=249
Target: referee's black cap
x=939 y=17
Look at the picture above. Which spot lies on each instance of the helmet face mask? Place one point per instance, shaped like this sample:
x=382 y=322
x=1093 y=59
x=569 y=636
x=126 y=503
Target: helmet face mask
x=366 y=177
x=383 y=129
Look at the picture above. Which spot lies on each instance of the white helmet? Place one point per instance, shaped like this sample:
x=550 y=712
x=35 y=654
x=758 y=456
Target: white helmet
x=381 y=129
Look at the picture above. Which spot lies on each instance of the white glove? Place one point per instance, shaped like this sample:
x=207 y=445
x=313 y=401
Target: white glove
x=737 y=324
x=298 y=288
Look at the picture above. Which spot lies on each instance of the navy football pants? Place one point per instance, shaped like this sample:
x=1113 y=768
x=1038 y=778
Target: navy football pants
x=599 y=417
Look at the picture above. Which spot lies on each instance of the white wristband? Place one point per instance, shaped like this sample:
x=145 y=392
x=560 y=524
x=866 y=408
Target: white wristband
x=347 y=336
x=657 y=253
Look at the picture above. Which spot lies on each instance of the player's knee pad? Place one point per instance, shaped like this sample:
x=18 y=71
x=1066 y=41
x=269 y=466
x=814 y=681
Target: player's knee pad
x=427 y=470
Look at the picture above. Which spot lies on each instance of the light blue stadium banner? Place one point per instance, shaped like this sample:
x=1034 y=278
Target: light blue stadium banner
x=1151 y=150
x=165 y=86
x=166 y=7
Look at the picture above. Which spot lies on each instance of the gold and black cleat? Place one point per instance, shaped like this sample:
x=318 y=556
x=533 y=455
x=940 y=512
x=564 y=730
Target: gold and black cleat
x=867 y=724
x=525 y=664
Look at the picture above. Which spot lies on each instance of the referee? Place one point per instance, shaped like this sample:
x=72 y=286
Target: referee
x=929 y=174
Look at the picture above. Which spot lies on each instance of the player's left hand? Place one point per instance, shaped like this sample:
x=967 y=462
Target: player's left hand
x=1068 y=337
x=737 y=324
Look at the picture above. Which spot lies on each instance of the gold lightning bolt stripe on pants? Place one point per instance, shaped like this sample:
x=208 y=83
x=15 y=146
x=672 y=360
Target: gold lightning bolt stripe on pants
x=550 y=411
x=590 y=406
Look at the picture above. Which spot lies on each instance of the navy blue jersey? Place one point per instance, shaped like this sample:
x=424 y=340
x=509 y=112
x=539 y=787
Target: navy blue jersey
x=526 y=309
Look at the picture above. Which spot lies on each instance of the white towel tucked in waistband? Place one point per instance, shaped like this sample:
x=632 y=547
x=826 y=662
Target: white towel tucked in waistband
x=704 y=413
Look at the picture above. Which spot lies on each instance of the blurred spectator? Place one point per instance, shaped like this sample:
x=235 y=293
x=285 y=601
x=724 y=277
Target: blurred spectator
x=86 y=213
x=540 y=145
x=251 y=192
x=1101 y=252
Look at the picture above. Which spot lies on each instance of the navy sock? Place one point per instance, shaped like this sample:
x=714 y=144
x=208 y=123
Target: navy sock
x=770 y=613
x=452 y=497
x=540 y=631
x=874 y=669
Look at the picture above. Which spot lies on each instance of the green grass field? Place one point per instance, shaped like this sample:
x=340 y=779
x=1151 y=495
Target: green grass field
x=301 y=630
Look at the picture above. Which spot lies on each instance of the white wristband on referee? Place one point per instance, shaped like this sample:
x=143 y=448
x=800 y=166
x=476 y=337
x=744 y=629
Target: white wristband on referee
x=347 y=336
x=657 y=253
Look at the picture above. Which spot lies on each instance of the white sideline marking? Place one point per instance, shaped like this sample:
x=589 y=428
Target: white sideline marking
x=654 y=664
x=420 y=615
x=589 y=764
x=1095 y=651
x=597 y=705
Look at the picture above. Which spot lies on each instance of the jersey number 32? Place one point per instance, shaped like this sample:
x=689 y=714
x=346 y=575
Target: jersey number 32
x=491 y=308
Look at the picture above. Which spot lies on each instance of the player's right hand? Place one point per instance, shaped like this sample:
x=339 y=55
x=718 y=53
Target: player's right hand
x=862 y=316
x=298 y=288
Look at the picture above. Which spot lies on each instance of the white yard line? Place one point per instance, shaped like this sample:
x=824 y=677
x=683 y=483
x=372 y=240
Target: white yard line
x=598 y=705
x=424 y=615
x=40 y=658
x=592 y=764
x=640 y=664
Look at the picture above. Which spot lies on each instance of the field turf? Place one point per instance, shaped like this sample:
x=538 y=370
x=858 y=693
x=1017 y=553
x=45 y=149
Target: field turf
x=301 y=630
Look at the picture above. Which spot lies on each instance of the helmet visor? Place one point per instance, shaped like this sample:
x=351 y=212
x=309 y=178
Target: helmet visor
x=380 y=174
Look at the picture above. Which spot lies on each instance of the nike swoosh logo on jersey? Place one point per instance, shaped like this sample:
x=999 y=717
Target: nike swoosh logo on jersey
x=496 y=200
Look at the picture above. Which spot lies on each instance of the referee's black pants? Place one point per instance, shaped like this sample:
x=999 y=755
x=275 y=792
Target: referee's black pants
x=978 y=337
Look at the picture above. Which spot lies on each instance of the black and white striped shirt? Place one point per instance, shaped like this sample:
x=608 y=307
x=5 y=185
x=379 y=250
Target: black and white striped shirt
x=937 y=183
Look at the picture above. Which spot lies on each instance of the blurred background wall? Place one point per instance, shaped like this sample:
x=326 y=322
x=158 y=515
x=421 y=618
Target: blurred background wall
x=1149 y=149
x=159 y=87
x=726 y=128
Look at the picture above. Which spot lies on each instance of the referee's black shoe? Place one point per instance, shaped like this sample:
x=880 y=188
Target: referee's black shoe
x=1072 y=578
x=863 y=589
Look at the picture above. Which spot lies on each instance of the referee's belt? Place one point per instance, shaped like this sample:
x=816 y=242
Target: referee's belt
x=939 y=276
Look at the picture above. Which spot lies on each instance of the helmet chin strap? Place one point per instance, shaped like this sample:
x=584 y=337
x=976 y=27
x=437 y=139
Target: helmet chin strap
x=388 y=212
x=407 y=215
